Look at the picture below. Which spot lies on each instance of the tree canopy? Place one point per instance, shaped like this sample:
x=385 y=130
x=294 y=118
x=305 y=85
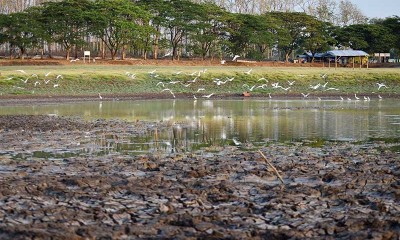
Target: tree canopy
x=182 y=28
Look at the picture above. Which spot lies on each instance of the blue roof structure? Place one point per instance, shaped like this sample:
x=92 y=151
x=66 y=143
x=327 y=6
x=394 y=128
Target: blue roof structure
x=345 y=53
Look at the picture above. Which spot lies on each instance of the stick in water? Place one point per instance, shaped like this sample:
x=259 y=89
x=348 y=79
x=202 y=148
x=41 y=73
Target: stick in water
x=272 y=166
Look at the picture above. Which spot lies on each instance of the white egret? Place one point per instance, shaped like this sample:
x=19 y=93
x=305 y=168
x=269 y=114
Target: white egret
x=208 y=96
x=291 y=82
x=21 y=71
x=169 y=90
x=248 y=72
x=235 y=57
x=380 y=85
x=305 y=95
x=315 y=87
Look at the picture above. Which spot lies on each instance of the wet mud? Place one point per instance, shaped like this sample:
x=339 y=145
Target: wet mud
x=337 y=190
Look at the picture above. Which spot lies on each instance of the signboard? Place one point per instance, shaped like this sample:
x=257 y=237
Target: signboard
x=86 y=54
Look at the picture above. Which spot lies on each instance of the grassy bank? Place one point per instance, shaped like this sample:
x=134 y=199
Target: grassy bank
x=123 y=79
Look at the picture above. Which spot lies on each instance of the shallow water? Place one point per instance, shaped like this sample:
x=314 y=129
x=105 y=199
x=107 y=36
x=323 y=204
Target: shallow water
x=229 y=122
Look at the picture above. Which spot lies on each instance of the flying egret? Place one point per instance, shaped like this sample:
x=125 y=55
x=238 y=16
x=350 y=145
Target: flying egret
x=168 y=54
x=235 y=57
x=315 y=87
x=160 y=83
x=208 y=96
x=219 y=82
x=194 y=80
x=201 y=89
x=250 y=88
x=380 y=85
x=275 y=85
x=262 y=79
x=331 y=88
x=236 y=142
x=169 y=90
x=248 y=72
x=291 y=82
x=305 y=95
x=174 y=82
x=286 y=89
x=21 y=71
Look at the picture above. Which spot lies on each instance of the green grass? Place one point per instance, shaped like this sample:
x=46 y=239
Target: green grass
x=112 y=79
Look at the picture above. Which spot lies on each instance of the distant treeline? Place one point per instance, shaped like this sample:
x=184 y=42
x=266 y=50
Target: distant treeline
x=182 y=28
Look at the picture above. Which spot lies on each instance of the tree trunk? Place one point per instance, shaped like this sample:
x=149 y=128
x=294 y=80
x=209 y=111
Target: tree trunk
x=22 y=50
x=155 y=47
x=103 y=50
x=145 y=54
x=123 y=54
x=113 y=53
x=68 y=53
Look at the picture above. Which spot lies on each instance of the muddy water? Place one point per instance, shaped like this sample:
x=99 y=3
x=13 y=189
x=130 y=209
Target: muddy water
x=232 y=122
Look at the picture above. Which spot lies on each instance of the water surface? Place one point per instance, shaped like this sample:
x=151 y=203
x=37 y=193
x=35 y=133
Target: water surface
x=197 y=122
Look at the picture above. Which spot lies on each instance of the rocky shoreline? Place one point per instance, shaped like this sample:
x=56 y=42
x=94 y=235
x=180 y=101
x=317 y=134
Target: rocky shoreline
x=339 y=190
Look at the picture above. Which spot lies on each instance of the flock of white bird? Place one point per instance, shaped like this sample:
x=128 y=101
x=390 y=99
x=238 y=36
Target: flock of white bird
x=167 y=86
x=196 y=77
x=35 y=79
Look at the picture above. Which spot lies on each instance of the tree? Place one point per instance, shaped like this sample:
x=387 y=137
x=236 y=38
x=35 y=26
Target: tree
x=20 y=30
x=178 y=18
x=350 y=14
x=117 y=23
x=319 y=37
x=253 y=34
x=209 y=29
x=393 y=24
x=294 y=28
x=66 y=22
x=372 y=38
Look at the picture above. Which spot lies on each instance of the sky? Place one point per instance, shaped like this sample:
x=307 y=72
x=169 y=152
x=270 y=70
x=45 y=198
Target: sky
x=378 y=8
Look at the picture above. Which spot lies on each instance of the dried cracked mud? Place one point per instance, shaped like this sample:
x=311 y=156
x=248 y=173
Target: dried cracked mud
x=338 y=190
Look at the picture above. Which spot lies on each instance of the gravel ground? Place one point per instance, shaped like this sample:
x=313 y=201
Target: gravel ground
x=339 y=190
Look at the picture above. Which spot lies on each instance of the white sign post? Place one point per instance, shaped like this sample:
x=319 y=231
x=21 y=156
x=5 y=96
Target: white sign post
x=86 y=54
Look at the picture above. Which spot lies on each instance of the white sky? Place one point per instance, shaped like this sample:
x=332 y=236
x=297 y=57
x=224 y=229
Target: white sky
x=378 y=8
